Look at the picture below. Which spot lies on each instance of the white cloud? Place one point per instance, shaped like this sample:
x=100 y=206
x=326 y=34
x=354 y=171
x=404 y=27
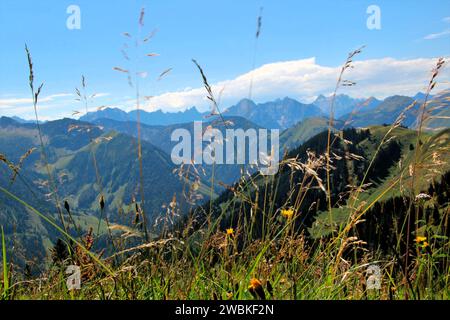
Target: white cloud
x=50 y=107
x=305 y=79
x=438 y=35
x=101 y=95
x=14 y=102
x=299 y=79
x=441 y=34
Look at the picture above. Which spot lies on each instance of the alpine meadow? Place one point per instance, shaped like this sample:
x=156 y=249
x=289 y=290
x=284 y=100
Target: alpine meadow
x=225 y=151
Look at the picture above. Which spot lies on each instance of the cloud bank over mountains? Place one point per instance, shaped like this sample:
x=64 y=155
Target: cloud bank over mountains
x=302 y=80
x=305 y=79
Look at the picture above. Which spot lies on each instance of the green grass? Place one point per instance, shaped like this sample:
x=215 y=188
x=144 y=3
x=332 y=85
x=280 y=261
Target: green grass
x=5 y=268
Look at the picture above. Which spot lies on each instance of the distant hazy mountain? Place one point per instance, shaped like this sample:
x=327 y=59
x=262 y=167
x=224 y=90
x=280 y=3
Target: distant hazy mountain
x=385 y=113
x=439 y=117
x=160 y=136
x=151 y=118
x=20 y=120
x=420 y=96
x=166 y=118
x=294 y=136
x=278 y=114
x=107 y=113
x=344 y=104
x=68 y=146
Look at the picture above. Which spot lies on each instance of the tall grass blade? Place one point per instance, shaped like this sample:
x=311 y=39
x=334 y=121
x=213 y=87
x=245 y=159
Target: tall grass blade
x=5 y=268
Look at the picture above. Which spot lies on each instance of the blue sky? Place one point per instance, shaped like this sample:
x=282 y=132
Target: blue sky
x=221 y=36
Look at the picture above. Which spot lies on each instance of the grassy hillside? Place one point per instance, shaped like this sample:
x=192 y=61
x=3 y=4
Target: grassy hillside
x=87 y=166
x=386 y=112
x=160 y=136
x=304 y=130
x=274 y=236
x=435 y=118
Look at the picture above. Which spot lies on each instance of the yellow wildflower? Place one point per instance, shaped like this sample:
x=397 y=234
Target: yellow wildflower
x=256 y=289
x=254 y=283
x=287 y=213
x=230 y=231
x=420 y=239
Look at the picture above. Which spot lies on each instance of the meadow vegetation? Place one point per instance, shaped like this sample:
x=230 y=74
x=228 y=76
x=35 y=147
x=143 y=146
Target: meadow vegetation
x=342 y=201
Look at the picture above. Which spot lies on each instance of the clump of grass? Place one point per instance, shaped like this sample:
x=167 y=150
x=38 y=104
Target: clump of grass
x=417 y=150
x=5 y=268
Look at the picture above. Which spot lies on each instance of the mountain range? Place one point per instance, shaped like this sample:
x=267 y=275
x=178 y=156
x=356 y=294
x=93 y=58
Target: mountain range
x=96 y=157
x=285 y=113
x=407 y=109
x=157 y=117
x=160 y=136
x=278 y=114
x=344 y=104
